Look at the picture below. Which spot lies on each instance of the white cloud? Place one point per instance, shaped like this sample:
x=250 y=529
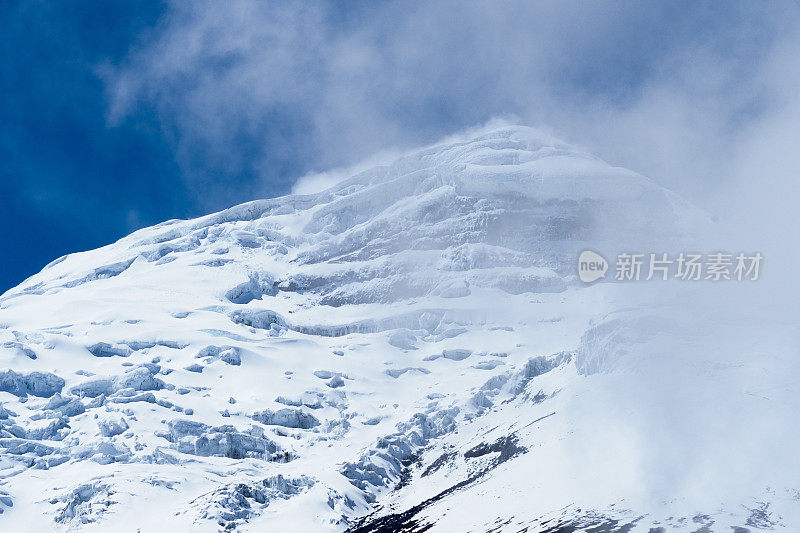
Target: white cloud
x=260 y=89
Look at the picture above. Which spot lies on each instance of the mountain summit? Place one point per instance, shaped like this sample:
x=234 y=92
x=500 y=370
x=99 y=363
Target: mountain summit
x=508 y=209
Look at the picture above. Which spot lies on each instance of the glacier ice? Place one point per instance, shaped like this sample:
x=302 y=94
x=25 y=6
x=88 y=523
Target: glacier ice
x=408 y=348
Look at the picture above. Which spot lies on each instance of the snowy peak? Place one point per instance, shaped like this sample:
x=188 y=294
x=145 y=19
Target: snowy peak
x=511 y=199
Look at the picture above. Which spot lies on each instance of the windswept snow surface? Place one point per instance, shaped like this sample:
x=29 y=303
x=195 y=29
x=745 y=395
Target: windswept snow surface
x=409 y=350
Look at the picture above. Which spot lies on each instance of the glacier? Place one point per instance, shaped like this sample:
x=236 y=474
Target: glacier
x=408 y=350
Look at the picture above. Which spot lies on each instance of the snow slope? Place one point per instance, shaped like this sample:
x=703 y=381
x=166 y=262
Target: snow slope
x=409 y=349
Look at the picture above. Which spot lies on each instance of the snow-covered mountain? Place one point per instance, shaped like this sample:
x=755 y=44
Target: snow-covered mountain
x=408 y=350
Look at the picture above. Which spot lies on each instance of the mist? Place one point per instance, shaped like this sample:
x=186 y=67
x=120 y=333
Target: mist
x=276 y=81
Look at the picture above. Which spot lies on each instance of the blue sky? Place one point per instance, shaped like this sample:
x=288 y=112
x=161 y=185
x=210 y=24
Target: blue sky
x=123 y=114
x=69 y=182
